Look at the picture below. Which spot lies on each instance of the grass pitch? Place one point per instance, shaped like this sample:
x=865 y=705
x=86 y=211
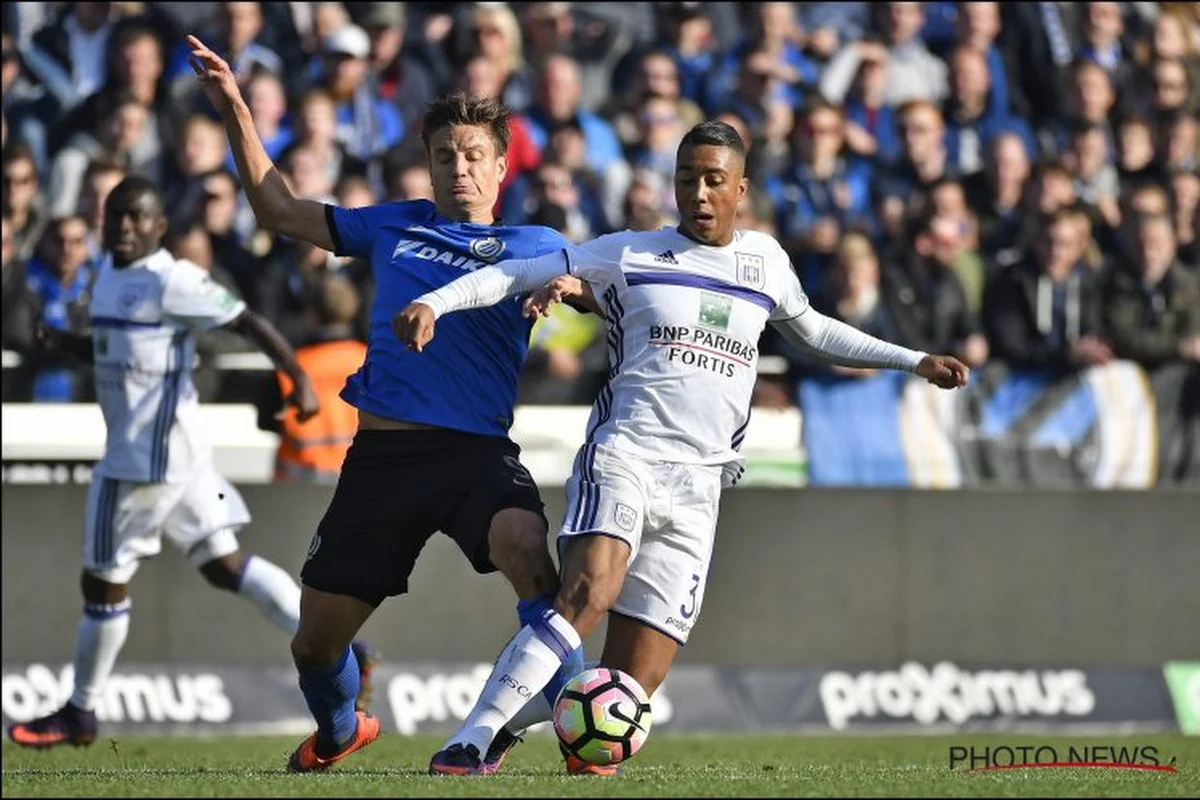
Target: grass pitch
x=670 y=765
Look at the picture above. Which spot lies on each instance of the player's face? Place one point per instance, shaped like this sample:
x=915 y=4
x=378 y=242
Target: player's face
x=466 y=172
x=709 y=183
x=133 y=225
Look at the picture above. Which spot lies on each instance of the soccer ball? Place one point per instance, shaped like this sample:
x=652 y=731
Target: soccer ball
x=602 y=716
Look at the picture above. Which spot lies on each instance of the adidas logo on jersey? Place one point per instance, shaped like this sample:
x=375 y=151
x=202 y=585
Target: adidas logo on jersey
x=666 y=257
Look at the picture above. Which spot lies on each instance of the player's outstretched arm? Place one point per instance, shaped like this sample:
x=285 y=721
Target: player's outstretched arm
x=78 y=345
x=255 y=328
x=485 y=287
x=275 y=207
x=835 y=341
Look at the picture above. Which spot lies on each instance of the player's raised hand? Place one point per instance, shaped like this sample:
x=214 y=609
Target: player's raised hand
x=946 y=372
x=561 y=289
x=414 y=326
x=215 y=75
x=543 y=299
x=304 y=399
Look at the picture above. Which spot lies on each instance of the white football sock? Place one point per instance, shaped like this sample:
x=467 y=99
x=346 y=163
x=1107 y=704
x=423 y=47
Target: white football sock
x=523 y=668
x=273 y=591
x=100 y=637
x=535 y=711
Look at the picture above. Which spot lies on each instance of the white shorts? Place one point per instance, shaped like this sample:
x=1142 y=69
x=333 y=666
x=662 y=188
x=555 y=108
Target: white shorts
x=126 y=522
x=666 y=512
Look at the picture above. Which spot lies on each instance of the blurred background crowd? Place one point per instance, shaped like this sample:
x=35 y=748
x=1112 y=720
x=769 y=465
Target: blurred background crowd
x=1009 y=182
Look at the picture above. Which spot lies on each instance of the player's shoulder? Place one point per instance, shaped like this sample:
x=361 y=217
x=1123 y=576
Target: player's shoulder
x=531 y=241
x=760 y=243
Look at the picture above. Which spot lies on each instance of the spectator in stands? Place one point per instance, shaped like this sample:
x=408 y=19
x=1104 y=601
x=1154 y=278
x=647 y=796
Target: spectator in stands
x=400 y=78
x=410 y=180
x=692 y=42
x=997 y=196
x=644 y=209
x=657 y=75
x=826 y=189
x=1185 y=186
x=558 y=94
x=497 y=37
x=597 y=36
x=225 y=219
x=660 y=129
x=77 y=42
x=972 y=119
x=1092 y=100
x=313 y=451
x=1044 y=312
x=60 y=279
x=238 y=29
x=1103 y=32
x=1039 y=42
x=924 y=161
x=316 y=132
x=776 y=39
x=1152 y=307
x=872 y=130
x=913 y=72
x=855 y=297
x=23 y=200
x=1172 y=93
x=1180 y=139
x=135 y=69
x=367 y=125
x=16 y=313
x=828 y=26
x=1095 y=176
x=32 y=100
x=199 y=150
x=924 y=296
x=102 y=176
x=979 y=27
x=267 y=98
x=1136 y=162
x=116 y=139
x=948 y=200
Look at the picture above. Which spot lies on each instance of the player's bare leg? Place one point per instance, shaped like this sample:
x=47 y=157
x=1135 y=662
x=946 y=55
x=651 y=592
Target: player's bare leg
x=329 y=678
x=277 y=597
x=101 y=634
x=594 y=571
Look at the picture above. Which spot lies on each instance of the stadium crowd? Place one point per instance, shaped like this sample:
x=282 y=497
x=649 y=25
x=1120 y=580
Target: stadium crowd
x=1009 y=182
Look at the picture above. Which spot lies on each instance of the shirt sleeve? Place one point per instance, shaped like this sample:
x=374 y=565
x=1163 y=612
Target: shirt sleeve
x=791 y=301
x=836 y=342
x=193 y=298
x=597 y=262
x=489 y=285
x=354 y=230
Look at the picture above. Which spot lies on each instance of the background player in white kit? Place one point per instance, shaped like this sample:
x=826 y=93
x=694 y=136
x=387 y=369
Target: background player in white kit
x=156 y=476
x=685 y=309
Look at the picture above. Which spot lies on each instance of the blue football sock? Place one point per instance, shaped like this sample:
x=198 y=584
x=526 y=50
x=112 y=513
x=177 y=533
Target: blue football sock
x=330 y=695
x=531 y=610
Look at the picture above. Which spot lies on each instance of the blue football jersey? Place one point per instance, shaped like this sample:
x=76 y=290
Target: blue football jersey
x=466 y=378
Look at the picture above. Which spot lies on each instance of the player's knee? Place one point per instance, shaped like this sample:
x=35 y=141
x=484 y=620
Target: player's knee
x=98 y=591
x=517 y=544
x=224 y=572
x=309 y=652
x=590 y=594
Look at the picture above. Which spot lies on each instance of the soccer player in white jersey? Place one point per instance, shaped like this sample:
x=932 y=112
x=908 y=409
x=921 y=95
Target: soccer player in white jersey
x=685 y=308
x=156 y=476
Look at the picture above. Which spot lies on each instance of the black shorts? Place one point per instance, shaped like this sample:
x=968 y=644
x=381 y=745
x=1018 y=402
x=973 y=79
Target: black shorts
x=399 y=487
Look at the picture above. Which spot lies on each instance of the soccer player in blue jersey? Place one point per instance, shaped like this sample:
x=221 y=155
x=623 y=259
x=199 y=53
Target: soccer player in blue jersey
x=432 y=450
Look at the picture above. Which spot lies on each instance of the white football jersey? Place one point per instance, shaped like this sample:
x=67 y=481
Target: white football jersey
x=144 y=317
x=684 y=322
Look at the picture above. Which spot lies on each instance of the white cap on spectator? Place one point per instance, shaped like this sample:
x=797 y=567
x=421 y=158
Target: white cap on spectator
x=350 y=40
